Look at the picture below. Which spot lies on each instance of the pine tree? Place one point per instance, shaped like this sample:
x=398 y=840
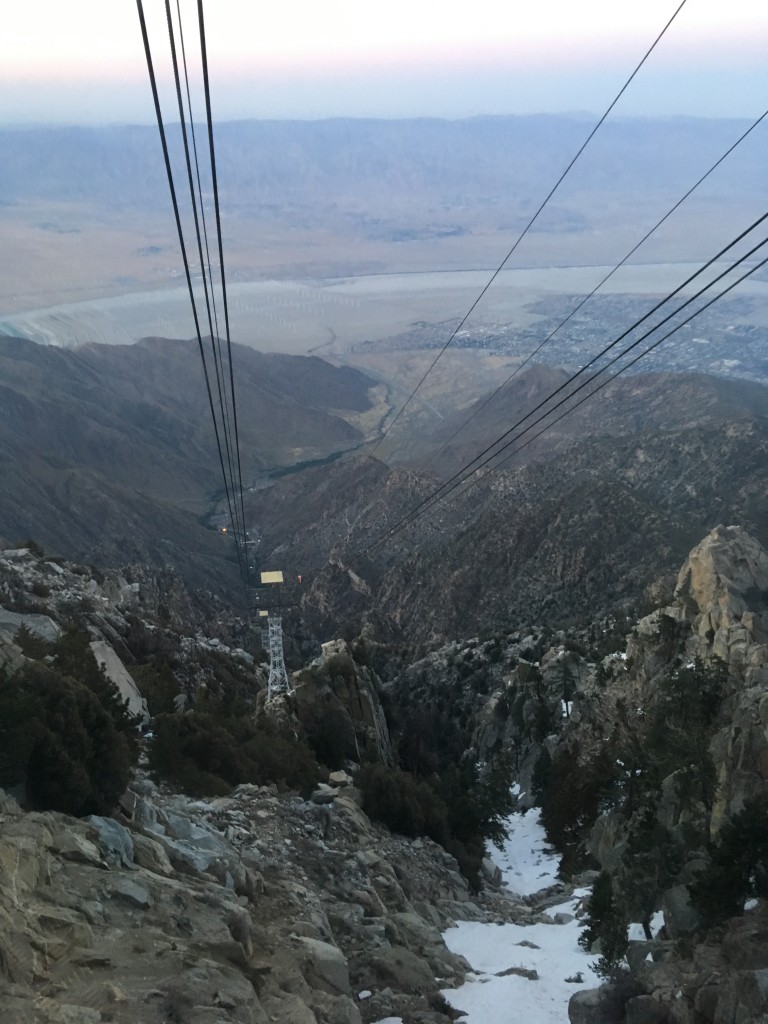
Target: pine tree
x=74 y=658
x=606 y=924
x=649 y=865
x=58 y=740
x=738 y=868
x=30 y=644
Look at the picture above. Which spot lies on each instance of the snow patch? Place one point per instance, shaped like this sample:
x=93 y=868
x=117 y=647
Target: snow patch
x=526 y=859
x=492 y=949
x=550 y=950
x=635 y=931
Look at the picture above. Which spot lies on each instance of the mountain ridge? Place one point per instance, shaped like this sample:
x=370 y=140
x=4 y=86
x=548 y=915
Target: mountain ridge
x=118 y=441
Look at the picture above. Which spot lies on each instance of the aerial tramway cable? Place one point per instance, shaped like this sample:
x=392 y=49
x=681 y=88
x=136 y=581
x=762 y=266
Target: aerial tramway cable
x=208 y=268
x=217 y=210
x=618 y=372
x=611 y=362
x=426 y=504
x=469 y=482
x=479 y=408
x=232 y=444
x=527 y=228
x=629 y=365
x=231 y=486
x=438 y=492
x=204 y=264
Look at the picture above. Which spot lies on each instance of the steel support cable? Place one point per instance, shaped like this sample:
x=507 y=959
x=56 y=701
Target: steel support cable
x=604 y=369
x=215 y=186
x=437 y=493
x=619 y=372
x=528 y=226
x=600 y=386
x=207 y=297
x=240 y=535
x=479 y=408
x=202 y=206
x=566 y=398
x=182 y=244
x=197 y=167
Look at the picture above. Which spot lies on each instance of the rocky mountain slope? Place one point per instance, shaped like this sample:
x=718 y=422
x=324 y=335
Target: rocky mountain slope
x=629 y=406
x=265 y=905
x=138 y=414
x=717 y=624
x=598 y=514
x=254 y=907
x=646 y=745
x=117 y=439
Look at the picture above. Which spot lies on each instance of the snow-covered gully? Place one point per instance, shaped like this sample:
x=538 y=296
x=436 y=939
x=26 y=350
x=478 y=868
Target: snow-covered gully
x=523 y=972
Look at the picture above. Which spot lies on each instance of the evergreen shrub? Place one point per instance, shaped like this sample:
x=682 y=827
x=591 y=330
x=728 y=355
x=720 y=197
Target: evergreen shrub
x=738 y=867
x=206 y=754
x=331 y=736
x=455 y=808
x=65 y=735
x=403 y=802
x=31 y=645
x=571 y=794
x=607 y=925
x=158 y=685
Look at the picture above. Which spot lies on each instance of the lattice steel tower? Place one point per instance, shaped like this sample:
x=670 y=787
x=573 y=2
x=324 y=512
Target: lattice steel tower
x=274 y=591
x=264 y=628
x=278 y=677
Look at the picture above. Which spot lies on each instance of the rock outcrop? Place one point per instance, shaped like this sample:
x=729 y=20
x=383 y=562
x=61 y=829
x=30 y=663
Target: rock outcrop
x=721 y=605
x=338 y=692
x=252 y=908
x=121 y=679
x=722 y=591
x=714 y=630
x=133 y=610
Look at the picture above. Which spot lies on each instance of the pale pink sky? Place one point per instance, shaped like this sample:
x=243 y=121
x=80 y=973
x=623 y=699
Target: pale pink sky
x=82 y=61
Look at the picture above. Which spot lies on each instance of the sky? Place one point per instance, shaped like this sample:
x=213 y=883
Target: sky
x=83 y=61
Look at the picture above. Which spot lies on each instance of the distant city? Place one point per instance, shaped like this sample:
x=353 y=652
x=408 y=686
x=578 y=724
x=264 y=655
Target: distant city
x=715 y=342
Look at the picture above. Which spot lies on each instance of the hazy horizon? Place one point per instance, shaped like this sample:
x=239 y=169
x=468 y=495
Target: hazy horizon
x=570 y=115
x=84 y=64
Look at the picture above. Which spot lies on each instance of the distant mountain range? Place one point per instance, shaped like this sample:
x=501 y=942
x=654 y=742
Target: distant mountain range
x=85 y=212
x=481 y=158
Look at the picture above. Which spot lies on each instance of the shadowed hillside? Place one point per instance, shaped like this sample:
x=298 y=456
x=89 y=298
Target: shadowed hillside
x=591 y=518
x=108 y=452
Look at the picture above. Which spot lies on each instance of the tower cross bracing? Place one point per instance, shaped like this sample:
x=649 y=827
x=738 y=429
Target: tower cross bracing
x=278 y=677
